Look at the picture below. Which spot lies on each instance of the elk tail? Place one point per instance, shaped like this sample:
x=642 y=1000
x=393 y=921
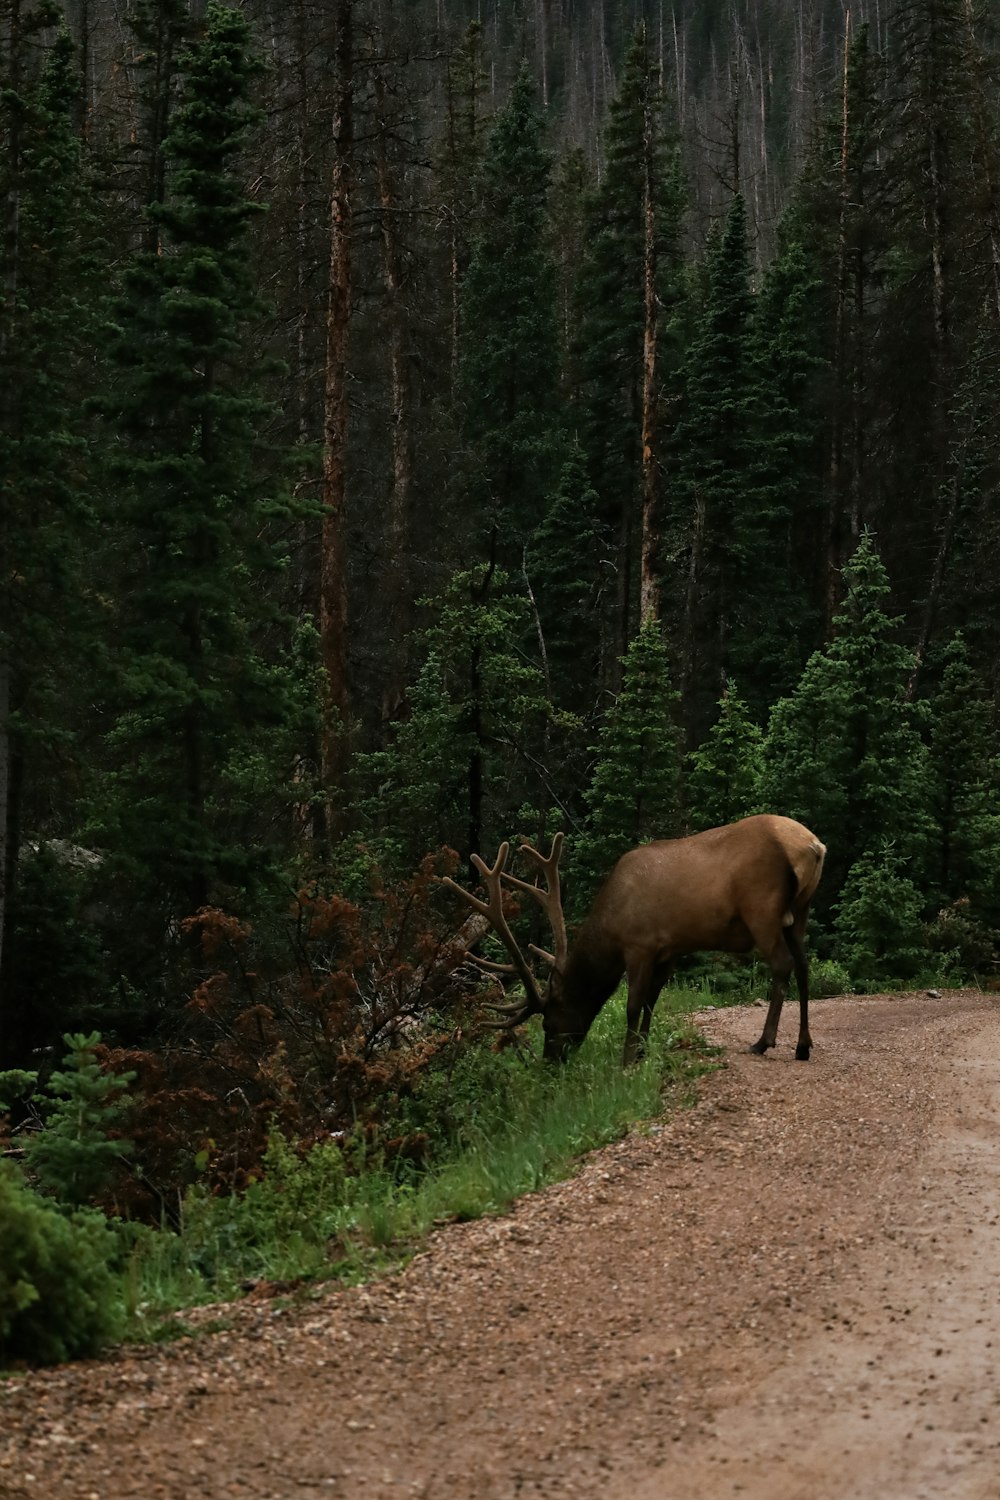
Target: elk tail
x=805 y=868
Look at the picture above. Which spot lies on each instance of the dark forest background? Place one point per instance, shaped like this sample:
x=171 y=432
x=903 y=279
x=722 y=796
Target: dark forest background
x=423 y=424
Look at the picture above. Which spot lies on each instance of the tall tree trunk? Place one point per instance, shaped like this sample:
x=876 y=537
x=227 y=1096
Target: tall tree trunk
x=649 y=584
x=333 y=543
x=9 y=261
x=397 y=529
x=987 y=176
x=6 y=843
x=691 y=595
x=834 y=521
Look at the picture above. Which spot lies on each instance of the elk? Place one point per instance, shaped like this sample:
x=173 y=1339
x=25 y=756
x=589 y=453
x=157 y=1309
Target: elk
x=732 y=889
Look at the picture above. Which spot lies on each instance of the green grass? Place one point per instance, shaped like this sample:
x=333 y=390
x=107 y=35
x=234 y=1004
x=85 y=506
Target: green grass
x=502 y=1123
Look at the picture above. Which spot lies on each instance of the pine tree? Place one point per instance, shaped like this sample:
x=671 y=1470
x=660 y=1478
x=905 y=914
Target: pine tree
x=160 y=29
x=962 y=589
x=198 y=741
x=723 y=779
x=793 y=364
x=641 y=170
x=568 y=561
x=714 y=465
x=509 y=370
x=411 y=792
x=50 y=307
x=963 y=859
x=459 y=167
x=742 y=490
x=75 y=1153
x=878 y=932
x=634 y=792
x=843 y=752
x=838 y=213
x=489 y=699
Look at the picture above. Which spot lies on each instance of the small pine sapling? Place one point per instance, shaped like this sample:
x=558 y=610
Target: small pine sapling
x=74 y=1155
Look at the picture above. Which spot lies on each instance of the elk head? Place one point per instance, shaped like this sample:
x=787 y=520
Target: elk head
x=560 y=1021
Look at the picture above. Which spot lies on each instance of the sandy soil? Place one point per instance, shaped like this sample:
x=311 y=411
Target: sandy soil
x=789 y=1291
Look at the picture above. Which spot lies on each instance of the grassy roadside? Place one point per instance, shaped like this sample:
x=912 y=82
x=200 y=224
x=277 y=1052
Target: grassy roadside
x=502 y=1124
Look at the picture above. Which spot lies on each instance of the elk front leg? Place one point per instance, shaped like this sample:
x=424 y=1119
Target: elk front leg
x=644 y=986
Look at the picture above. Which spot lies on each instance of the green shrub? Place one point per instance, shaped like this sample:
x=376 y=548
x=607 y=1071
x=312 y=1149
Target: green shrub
x=827 y=977
x=961 y=943
x=60 y=1295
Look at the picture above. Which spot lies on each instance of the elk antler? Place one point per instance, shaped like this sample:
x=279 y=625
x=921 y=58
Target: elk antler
x=493 y=909
x=549 y=899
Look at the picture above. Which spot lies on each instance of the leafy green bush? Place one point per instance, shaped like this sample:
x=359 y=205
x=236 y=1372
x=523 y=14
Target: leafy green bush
x=60 y=1295
x=961 y=944
x=828 y=977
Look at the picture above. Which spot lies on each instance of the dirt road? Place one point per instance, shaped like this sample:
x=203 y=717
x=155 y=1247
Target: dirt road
x=790 y=1292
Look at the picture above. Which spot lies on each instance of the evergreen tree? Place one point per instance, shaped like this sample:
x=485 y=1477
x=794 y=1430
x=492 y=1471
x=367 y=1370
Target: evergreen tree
x=459 y=162
x=611 y=313
x=74 y=1155
x=509 y=370
x=723 y=779
x=50 y=301
x=160 y=29
x=877 y=928
x=790 y=354
x=962 y=589
x=714 y=465
x=568 y=561
x=484 y=702
x=843 y=752
x=963 y=862
x=741 y=495
x=60 y=1289
x=931 y=152
x=634 y=792
x=839 y=215
x=411 y=792
x=200 y=744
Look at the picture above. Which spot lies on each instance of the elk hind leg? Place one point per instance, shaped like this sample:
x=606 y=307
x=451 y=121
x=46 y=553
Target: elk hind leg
x=779 y=961
x=795 y=941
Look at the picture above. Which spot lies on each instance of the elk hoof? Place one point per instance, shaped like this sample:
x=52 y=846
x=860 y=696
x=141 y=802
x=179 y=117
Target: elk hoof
x=802 y=1052
x=760 y=1047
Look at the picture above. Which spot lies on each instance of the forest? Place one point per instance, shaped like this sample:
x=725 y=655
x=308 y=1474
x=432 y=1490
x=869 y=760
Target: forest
x=427 y=425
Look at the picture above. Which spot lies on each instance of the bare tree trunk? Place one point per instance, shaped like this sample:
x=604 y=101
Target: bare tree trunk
x=691 y=594
x=833 y=524
x=333 y=544
x=543 y=48
x=988 y=178
x=10 y=253
x=10 y=248
x=397 y=530
x=946 y=532
x=5 y=844
x=649 y=584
